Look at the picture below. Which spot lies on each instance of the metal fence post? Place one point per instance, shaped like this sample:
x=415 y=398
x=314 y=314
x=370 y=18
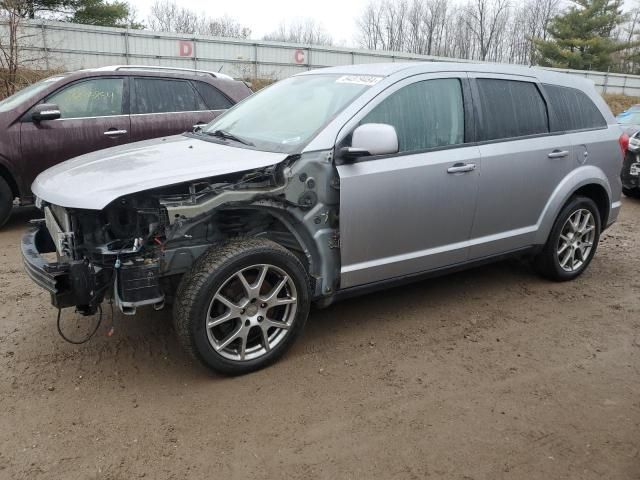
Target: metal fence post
x=126 y=46
x=255 y=60
x=44 y=44
x=195 y=53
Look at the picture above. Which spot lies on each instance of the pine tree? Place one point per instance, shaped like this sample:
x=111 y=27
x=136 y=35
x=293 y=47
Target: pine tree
x=581 y=37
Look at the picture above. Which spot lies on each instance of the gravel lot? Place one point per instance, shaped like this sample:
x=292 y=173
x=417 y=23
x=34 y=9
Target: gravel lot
x=488 y=374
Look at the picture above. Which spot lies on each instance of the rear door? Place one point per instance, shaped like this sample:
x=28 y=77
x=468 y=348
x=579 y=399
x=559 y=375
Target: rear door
x=522 y=162
x=94 y=116
x=411 y=212
x=166 y=106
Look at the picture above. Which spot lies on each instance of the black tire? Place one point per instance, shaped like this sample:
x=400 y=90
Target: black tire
x=547 y=262
x=631 y=192
x=210 y=273
x=6 y=201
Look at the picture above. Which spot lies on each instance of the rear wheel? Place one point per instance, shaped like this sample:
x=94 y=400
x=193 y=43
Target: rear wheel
x=242 y=305
x=572 y=242
x=6 y=201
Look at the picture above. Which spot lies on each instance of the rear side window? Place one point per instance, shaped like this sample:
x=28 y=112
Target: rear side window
x=426 y=114
x=100 y=97
x=213 y=97
x=511 y=109
x=574 y=109
x=156 y=95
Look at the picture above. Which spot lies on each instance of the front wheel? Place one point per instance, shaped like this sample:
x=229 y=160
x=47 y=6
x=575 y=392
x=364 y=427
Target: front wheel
x=242 y=305
x=631 y=192
x=572 y=242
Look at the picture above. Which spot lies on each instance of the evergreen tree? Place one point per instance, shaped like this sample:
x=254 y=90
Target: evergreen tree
x=581 y=37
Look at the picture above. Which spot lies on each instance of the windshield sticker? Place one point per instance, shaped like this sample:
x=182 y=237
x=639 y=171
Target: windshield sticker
x=359 y=79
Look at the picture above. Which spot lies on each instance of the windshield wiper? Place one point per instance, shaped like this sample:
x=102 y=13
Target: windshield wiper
x=230 y=136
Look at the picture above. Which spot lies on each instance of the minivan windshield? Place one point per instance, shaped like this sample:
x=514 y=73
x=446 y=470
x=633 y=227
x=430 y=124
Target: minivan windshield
x=26 y=93
x=286 y=115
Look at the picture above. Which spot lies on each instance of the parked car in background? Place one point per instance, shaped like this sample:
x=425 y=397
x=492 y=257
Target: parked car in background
x=630 y=174
x=79 y=112
x=328 y=184
x=629 y=120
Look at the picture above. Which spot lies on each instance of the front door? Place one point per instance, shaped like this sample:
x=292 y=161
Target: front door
x=92 y=119
x=411 y=212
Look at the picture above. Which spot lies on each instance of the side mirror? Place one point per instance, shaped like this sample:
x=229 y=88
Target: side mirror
x=372 y=139
x=45 y=111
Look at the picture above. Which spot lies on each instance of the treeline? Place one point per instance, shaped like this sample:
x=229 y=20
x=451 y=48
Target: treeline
x=582 y=34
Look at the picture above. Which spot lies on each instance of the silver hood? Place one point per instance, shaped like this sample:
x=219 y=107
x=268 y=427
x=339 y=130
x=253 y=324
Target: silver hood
x=94 y=180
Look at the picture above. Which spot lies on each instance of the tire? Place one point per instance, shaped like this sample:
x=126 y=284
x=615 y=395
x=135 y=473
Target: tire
x=631 y=192
x=213 y=294
x=6 y=201
x=549 y=262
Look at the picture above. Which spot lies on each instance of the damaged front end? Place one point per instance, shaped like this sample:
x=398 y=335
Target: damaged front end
x=135 y=250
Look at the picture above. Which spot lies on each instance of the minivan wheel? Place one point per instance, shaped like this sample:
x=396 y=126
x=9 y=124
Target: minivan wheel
x=6 y=201
x=572 y=242
x=242 y=305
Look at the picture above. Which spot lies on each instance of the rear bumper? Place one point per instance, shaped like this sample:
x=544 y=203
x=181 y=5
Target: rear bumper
x=52 y=276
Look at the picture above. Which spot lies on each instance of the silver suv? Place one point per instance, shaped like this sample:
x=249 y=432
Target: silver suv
x=330 y=183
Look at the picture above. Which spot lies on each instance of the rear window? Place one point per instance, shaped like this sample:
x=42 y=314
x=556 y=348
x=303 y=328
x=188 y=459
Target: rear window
x=213 y=97
x=511 y=109
x=155 y=95
x=574 y=110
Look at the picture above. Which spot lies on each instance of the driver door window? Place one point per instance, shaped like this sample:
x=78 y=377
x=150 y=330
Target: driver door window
x=100 y=97
x=426 y=115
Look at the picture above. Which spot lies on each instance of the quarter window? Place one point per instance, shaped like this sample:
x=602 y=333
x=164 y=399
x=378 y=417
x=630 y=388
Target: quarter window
x=574 y=110
x=156 y=95
x=214 y=99
x=511 y=109
x=427 y=114
x=100 y=97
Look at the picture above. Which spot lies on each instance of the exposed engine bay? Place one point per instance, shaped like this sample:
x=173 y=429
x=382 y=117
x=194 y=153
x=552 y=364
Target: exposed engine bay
x=135 y=250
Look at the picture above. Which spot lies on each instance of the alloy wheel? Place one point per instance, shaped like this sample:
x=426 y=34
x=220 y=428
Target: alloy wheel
x=252 y=312
x=576 y=240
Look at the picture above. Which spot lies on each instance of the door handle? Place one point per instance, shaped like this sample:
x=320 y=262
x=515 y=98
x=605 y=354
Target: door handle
x=115 y=133
x=558 y=154
x=462 y=168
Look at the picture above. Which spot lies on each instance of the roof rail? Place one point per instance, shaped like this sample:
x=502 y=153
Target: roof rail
x=152 y=68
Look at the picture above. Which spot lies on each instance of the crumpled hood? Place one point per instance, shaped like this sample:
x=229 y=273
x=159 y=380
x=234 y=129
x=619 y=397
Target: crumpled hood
x=94 y=180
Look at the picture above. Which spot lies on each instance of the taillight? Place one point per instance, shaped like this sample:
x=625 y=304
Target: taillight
x=624 y=143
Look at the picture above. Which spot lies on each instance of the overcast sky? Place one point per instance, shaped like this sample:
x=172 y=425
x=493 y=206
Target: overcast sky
x=263 y=16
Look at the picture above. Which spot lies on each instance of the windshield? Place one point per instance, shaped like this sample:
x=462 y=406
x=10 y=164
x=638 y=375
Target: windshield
x=630 y=117
x=285 y=116
x=26 y=93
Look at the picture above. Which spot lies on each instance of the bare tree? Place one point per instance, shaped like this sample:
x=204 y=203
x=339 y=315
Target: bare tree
x=305 y=30
x=168 y=16
x=15 y=55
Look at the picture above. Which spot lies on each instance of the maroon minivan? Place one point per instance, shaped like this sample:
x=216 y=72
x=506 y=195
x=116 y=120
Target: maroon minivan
x=75 y=113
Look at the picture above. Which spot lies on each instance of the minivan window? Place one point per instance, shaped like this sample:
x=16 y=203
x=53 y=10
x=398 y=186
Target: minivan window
x=286 y=115
x=214 y=99
x=157 y=95
x=98 y=97
x=510 y=109
x=426 y=114
x=574 y=109
x=26 y=93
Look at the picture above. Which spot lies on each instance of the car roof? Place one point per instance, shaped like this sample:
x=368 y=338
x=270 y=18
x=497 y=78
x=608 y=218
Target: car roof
x=159 y=69
x=406 y=69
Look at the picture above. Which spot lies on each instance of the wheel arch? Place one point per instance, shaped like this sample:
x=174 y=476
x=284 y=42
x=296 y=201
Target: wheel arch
x=589 y=181
x=298 y=240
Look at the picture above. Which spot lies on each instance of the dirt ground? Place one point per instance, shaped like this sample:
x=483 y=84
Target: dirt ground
x=488 y=374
